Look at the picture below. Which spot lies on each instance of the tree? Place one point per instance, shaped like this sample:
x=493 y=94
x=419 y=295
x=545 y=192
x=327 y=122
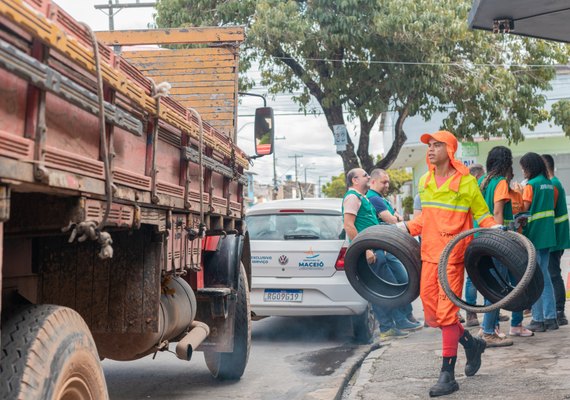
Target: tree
x=336 y=187
x=361 y=58
x=397 y=179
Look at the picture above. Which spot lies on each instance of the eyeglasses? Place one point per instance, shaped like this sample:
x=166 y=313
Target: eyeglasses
x=365 y=175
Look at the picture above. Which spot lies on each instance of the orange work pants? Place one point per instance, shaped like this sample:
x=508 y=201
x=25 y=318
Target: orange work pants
x=438 y=309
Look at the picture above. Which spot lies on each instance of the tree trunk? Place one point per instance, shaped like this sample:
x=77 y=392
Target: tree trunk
x=399 y=140
x=366 y=160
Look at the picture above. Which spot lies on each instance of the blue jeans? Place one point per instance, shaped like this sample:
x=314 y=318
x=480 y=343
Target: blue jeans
x=491 y=319
x=390 y=269
x=516 y=316
x=545 y=306
x=470 y=292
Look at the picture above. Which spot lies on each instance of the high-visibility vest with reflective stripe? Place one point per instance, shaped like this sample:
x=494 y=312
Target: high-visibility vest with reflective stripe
x=540 y=225
x=489 y=195
x=447 y=211
x=366 y=215
x=561 y=224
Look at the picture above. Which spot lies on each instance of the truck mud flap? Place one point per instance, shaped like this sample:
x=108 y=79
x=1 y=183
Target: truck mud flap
x=221 y=265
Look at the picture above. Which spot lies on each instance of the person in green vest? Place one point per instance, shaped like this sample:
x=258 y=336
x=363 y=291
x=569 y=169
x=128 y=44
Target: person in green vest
x=538 y=199
x=359 y=214
x=495 y=188
x=562 y=240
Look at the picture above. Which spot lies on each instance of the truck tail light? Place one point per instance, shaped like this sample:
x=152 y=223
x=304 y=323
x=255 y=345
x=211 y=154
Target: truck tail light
x=339 y=265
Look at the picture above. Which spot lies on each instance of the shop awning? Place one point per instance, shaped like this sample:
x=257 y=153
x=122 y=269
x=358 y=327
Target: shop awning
x=534 y=18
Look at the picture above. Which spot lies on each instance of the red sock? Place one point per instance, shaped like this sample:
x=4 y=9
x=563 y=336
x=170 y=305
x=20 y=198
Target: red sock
x=450 y=335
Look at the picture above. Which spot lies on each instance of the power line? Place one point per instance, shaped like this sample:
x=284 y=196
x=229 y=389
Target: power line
x=422 y=63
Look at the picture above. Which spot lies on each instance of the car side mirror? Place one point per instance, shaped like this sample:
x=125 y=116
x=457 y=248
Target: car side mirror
x=264 y=131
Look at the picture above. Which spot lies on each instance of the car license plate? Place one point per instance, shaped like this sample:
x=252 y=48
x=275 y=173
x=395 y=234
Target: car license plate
x=283 y=295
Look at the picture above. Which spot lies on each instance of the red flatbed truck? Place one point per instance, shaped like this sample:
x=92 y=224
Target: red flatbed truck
x=121 y=211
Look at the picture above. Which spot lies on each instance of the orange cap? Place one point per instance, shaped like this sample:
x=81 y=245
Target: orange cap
x=441 y=136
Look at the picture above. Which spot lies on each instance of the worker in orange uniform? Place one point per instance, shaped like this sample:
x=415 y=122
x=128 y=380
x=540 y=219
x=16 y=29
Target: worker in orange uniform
x=451 y=200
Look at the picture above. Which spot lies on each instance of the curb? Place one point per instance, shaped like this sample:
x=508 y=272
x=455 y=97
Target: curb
x=364 y=375
x=354 y=367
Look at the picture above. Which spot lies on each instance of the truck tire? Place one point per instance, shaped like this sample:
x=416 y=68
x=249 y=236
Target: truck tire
x=480 y=267
x=49 y=353
x=367 y=283
x=363 y=325
x=230 y=366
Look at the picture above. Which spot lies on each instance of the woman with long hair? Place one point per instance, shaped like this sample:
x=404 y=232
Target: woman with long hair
x=495 y=188
x=538 y=199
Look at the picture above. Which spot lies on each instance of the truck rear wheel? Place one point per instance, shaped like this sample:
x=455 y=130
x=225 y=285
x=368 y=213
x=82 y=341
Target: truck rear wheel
x=229 y=366
x=49 y=353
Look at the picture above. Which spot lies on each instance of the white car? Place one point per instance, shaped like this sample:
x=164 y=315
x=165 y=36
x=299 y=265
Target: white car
x=297 y=255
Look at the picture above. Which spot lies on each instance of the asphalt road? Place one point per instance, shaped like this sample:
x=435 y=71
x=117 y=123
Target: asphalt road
x=291 y=358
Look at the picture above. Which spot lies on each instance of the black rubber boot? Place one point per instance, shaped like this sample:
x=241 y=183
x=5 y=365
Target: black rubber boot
x=474 y=347
x=446 y=384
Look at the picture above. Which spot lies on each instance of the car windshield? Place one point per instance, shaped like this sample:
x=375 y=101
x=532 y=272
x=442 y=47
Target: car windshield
x=295 y=227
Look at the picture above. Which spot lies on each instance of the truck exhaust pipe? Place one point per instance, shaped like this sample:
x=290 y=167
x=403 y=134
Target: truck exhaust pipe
x=186 y=346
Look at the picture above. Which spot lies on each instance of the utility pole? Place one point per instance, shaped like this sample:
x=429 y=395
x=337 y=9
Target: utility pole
x=275 y=186
x=320 y=187
x=111 y=7
x=296 y=156
x=306 y=168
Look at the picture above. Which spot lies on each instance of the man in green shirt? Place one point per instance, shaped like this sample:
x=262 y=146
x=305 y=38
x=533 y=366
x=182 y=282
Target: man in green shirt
x=562 y=240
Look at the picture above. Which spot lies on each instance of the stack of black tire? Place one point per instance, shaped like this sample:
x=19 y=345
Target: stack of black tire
x=513 y=250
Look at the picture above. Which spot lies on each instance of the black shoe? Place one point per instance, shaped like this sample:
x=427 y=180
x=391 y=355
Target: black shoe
x=536 y=326
x=550 y=324
x=561 y=318
x=473 y=354
x=411 y=318
x=446 y=384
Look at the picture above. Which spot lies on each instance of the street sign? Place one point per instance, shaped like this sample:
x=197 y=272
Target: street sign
x=340 y=137
x=469 y=149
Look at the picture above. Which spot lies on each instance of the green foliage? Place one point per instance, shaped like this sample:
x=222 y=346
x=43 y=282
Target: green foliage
x=408 y=205
x=561 y=115
x=398 y=177
x=336 y=187
x=360 y=58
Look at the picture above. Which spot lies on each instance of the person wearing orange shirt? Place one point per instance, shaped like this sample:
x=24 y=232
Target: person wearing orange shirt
x=451 y=200
x=495 y=189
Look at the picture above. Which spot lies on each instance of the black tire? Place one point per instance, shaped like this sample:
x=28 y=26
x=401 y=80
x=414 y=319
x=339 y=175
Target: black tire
x=480 y=268
x=49 y=353
x=506 y=239
x=364 y=325
x=231 y=366
x=369 y=285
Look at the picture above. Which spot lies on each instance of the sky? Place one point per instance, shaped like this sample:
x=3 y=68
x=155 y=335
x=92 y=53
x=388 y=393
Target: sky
x=296 y=134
